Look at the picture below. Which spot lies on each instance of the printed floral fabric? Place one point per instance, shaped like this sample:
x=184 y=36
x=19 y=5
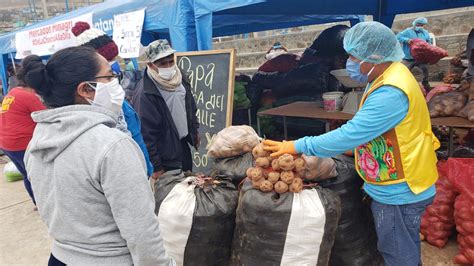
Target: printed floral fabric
x=376 y=161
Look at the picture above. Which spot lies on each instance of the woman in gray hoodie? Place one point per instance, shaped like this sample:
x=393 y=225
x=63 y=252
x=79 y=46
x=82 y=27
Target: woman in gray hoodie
x=89 y=178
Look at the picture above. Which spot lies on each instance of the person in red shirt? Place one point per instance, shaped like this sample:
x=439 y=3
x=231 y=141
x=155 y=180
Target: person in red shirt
x=16 y=124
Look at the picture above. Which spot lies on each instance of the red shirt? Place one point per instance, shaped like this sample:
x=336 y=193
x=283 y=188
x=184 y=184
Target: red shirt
x=16 y=124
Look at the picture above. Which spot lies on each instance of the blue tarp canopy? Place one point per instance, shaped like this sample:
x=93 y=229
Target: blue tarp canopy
x=209 y=14
x=171 y=17
x=211 y=22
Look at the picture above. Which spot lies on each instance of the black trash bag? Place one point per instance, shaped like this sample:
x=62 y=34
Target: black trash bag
x=286 y=229
x=330 y=41
x=305 y=80
x=197 y=220
x=254 y=93
x=242 y=78
x=356 y=240
x=234 y=167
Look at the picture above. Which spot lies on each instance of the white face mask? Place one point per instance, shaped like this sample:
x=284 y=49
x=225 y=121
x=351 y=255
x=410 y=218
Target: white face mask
x=166 y=73
x=108 y=95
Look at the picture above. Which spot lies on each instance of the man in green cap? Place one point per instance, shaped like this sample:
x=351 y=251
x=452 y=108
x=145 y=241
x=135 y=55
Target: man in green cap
x=167 y=110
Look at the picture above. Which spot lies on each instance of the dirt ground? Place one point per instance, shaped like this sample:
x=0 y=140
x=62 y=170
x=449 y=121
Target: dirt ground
x=24 y=238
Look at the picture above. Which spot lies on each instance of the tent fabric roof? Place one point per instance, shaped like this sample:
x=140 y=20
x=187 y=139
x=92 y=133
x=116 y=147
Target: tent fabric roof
x=161 y=16
x=191 y=24
x=224 y=25
x=239 y=16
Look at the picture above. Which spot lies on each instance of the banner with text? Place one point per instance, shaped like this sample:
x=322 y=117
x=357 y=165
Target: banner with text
x=48 y=39
x=128 y=32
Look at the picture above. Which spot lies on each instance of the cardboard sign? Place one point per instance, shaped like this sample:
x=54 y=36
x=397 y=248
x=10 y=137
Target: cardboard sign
x=128 y=32
x=48 y=39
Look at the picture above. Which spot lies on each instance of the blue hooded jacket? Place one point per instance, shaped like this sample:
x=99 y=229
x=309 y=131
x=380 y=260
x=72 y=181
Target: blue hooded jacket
x=409 y=34
x=133 y=125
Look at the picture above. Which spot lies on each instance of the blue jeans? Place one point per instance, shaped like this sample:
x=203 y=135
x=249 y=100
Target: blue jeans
x=17 y=159
x=398 y=232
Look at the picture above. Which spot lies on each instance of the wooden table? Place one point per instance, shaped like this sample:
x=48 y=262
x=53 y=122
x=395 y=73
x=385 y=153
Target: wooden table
x=313 y=110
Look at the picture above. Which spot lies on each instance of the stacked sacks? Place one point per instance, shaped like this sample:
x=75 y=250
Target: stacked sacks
x=447 y=104
x=356 y=240
x=278 y=220
x=461 y=173
x=285 y=229
x=231 y=150
x=234 y=167
x=197 y=217
x=437 y=223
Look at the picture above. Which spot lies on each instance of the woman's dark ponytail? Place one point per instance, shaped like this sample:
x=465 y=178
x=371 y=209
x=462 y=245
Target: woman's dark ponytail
x=57 y=81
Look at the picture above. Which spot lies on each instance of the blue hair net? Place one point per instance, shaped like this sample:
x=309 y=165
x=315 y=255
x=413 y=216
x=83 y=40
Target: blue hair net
x=373 y=42
x=420 y=20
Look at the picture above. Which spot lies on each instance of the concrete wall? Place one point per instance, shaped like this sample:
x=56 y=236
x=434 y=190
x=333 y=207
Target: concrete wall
x=443 y=24
x=451 y=30
x=291 y=41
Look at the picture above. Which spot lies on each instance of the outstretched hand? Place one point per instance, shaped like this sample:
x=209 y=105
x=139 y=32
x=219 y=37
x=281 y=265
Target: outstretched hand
x=279 y=148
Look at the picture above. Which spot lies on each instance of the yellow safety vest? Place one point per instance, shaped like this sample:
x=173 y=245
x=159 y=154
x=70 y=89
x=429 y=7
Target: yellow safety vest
x=405 y=153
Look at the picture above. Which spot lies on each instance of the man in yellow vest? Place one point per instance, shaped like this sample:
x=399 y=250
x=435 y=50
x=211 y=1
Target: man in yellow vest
x=391 y=135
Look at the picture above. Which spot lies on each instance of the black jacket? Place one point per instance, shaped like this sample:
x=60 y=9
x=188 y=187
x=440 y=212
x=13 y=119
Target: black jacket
x=158 y=128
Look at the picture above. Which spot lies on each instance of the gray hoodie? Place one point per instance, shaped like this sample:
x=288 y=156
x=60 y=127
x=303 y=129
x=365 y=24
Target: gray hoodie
x=91 y=189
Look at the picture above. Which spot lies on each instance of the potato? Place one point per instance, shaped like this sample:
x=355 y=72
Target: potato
x=275 y=165
x=458 y=106
x=256 y=183
x=249 y=171
x=445 y=102
x=259 y=152
x=281 y=187
x=300 y=164
x=434 y=113
x=287 y=177
x=286 y=162
x=273 y=177
x=270 y=159
x=256 y=174
x=470 y=114
x=438 y=107
x=298 y=176
x=449 y=110
x=262 y=162
x=297 y=185
x=266 y=171
x=266 y=186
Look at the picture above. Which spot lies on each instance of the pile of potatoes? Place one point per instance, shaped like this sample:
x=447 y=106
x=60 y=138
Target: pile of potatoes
x=281 y=174
x=447 y=104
